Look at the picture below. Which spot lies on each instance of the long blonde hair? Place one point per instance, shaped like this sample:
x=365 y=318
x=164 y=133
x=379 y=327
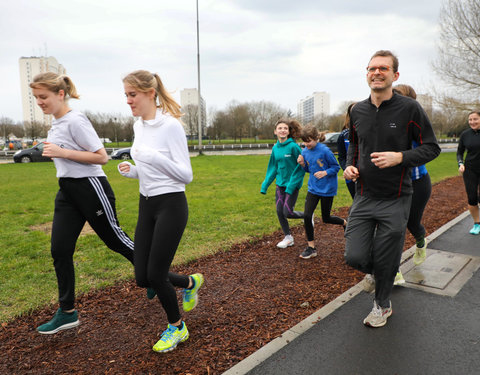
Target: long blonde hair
x=54 y=83
x=143 y=81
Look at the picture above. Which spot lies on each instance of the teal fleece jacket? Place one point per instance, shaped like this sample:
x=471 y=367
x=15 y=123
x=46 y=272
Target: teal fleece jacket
x=283 y=167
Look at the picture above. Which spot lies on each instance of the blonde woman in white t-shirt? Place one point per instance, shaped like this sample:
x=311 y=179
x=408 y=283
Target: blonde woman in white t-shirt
x=84 y=194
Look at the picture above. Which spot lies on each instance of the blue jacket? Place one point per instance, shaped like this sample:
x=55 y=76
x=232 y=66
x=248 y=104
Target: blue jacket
x=321 y=158
x=283 y=167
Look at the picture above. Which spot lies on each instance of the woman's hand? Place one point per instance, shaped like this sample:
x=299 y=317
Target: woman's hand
x=320 y=174
x=124 y=167
x=51 y=150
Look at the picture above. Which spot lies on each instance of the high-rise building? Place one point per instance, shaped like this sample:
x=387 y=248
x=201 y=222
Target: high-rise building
x=29 y=68
x=189 y=103
x=317 y=104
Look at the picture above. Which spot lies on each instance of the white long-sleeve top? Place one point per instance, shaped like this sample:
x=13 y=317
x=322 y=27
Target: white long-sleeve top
x=160 y=152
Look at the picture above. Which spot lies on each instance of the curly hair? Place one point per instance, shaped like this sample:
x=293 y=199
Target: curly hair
x=294 y=127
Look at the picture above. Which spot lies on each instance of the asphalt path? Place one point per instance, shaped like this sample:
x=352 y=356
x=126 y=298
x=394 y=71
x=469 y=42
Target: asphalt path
x=428 y=333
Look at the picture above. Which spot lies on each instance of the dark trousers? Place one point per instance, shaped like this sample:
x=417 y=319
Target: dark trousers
x=422 y=189
x=311 y=202
x=79 y=200
x=351 y=188
x=161 y=222
x=471 y=179
x=285 y=204
x=375 y=236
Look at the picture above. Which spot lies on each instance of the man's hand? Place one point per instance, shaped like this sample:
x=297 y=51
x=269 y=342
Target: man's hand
x=351 y=173
x=386 y=159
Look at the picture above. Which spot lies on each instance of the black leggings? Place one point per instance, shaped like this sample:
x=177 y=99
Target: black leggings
x=472 y=185
x=161 y=222
x=311 y=202
x=422 y=189
x=78 y=200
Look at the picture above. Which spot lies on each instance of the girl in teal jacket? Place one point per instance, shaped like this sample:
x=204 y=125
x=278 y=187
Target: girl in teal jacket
x=288 y=174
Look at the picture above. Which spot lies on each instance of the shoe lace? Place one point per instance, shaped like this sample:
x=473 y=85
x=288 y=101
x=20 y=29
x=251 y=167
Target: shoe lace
x=377 y=310
x=187 y=294
x=168 y=334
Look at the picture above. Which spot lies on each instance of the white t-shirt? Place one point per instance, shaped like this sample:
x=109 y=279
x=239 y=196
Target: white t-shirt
x=74 y=131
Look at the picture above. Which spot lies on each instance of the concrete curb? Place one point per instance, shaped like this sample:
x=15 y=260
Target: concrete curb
x=291 y=334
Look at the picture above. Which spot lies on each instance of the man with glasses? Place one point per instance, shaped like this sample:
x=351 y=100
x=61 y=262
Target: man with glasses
x=379 y=160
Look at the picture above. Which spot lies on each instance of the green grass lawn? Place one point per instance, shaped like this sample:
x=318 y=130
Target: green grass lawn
x=225 y=207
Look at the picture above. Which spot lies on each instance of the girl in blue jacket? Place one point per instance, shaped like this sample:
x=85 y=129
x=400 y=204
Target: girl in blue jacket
x=283 y=167
x=319 y=161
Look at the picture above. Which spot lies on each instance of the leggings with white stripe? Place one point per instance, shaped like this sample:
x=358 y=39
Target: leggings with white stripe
x=79 y=200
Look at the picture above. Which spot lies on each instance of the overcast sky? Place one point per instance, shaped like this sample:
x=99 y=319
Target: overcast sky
x=274 y=50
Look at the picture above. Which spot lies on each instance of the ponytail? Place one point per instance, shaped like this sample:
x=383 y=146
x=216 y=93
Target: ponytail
x=166 y=102
x=54 y=83
x=144 y=81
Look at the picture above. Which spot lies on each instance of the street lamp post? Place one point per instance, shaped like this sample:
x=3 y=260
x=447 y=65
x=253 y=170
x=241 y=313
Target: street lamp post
x=199 y=108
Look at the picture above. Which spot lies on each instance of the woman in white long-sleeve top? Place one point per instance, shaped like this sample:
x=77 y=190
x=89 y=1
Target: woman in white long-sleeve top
x=162 y=165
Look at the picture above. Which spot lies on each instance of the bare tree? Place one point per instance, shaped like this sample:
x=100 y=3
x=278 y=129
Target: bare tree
x=451 y=117
x=190 y=119
x=262 y=116
x=6 y=125
x=458 y=60
x=127 y=128
x=217 y=130
x=35 y=129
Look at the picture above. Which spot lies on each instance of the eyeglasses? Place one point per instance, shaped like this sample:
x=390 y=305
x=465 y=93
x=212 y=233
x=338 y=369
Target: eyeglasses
x=381 y=69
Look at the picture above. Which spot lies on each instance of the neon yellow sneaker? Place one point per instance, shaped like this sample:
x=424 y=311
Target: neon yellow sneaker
x=420 y=254
x=399 y=280
x=190 y=297
x=171 y=337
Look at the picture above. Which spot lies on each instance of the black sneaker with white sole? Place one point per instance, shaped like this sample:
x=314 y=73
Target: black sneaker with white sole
x=309 y=252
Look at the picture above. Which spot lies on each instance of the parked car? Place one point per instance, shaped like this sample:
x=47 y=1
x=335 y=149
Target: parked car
x=331 y=141
x=121 y=154
x=30 y=154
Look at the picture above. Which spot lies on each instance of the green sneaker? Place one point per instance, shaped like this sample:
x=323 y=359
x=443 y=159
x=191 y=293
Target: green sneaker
x=190 y=297
x=151 y=293
x=59 y=322
x=171 y=337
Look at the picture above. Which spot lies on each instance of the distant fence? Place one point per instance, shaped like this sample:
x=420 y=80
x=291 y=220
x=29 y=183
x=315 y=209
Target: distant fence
x=233 y=146
x=7 y=154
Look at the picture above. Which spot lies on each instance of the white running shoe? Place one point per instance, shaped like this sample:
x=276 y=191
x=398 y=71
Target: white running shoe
x=287 y=241
x=378 y=316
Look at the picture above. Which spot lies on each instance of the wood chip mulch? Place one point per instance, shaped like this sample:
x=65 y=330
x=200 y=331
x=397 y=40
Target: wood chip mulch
x=252 y=294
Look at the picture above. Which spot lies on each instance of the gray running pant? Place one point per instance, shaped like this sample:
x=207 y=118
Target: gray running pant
x=375 y=237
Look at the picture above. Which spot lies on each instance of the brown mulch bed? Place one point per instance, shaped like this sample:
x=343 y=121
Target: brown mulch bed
x=252 y=294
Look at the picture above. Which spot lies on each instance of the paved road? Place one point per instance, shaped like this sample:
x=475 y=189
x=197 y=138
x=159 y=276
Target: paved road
x=434 y=329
